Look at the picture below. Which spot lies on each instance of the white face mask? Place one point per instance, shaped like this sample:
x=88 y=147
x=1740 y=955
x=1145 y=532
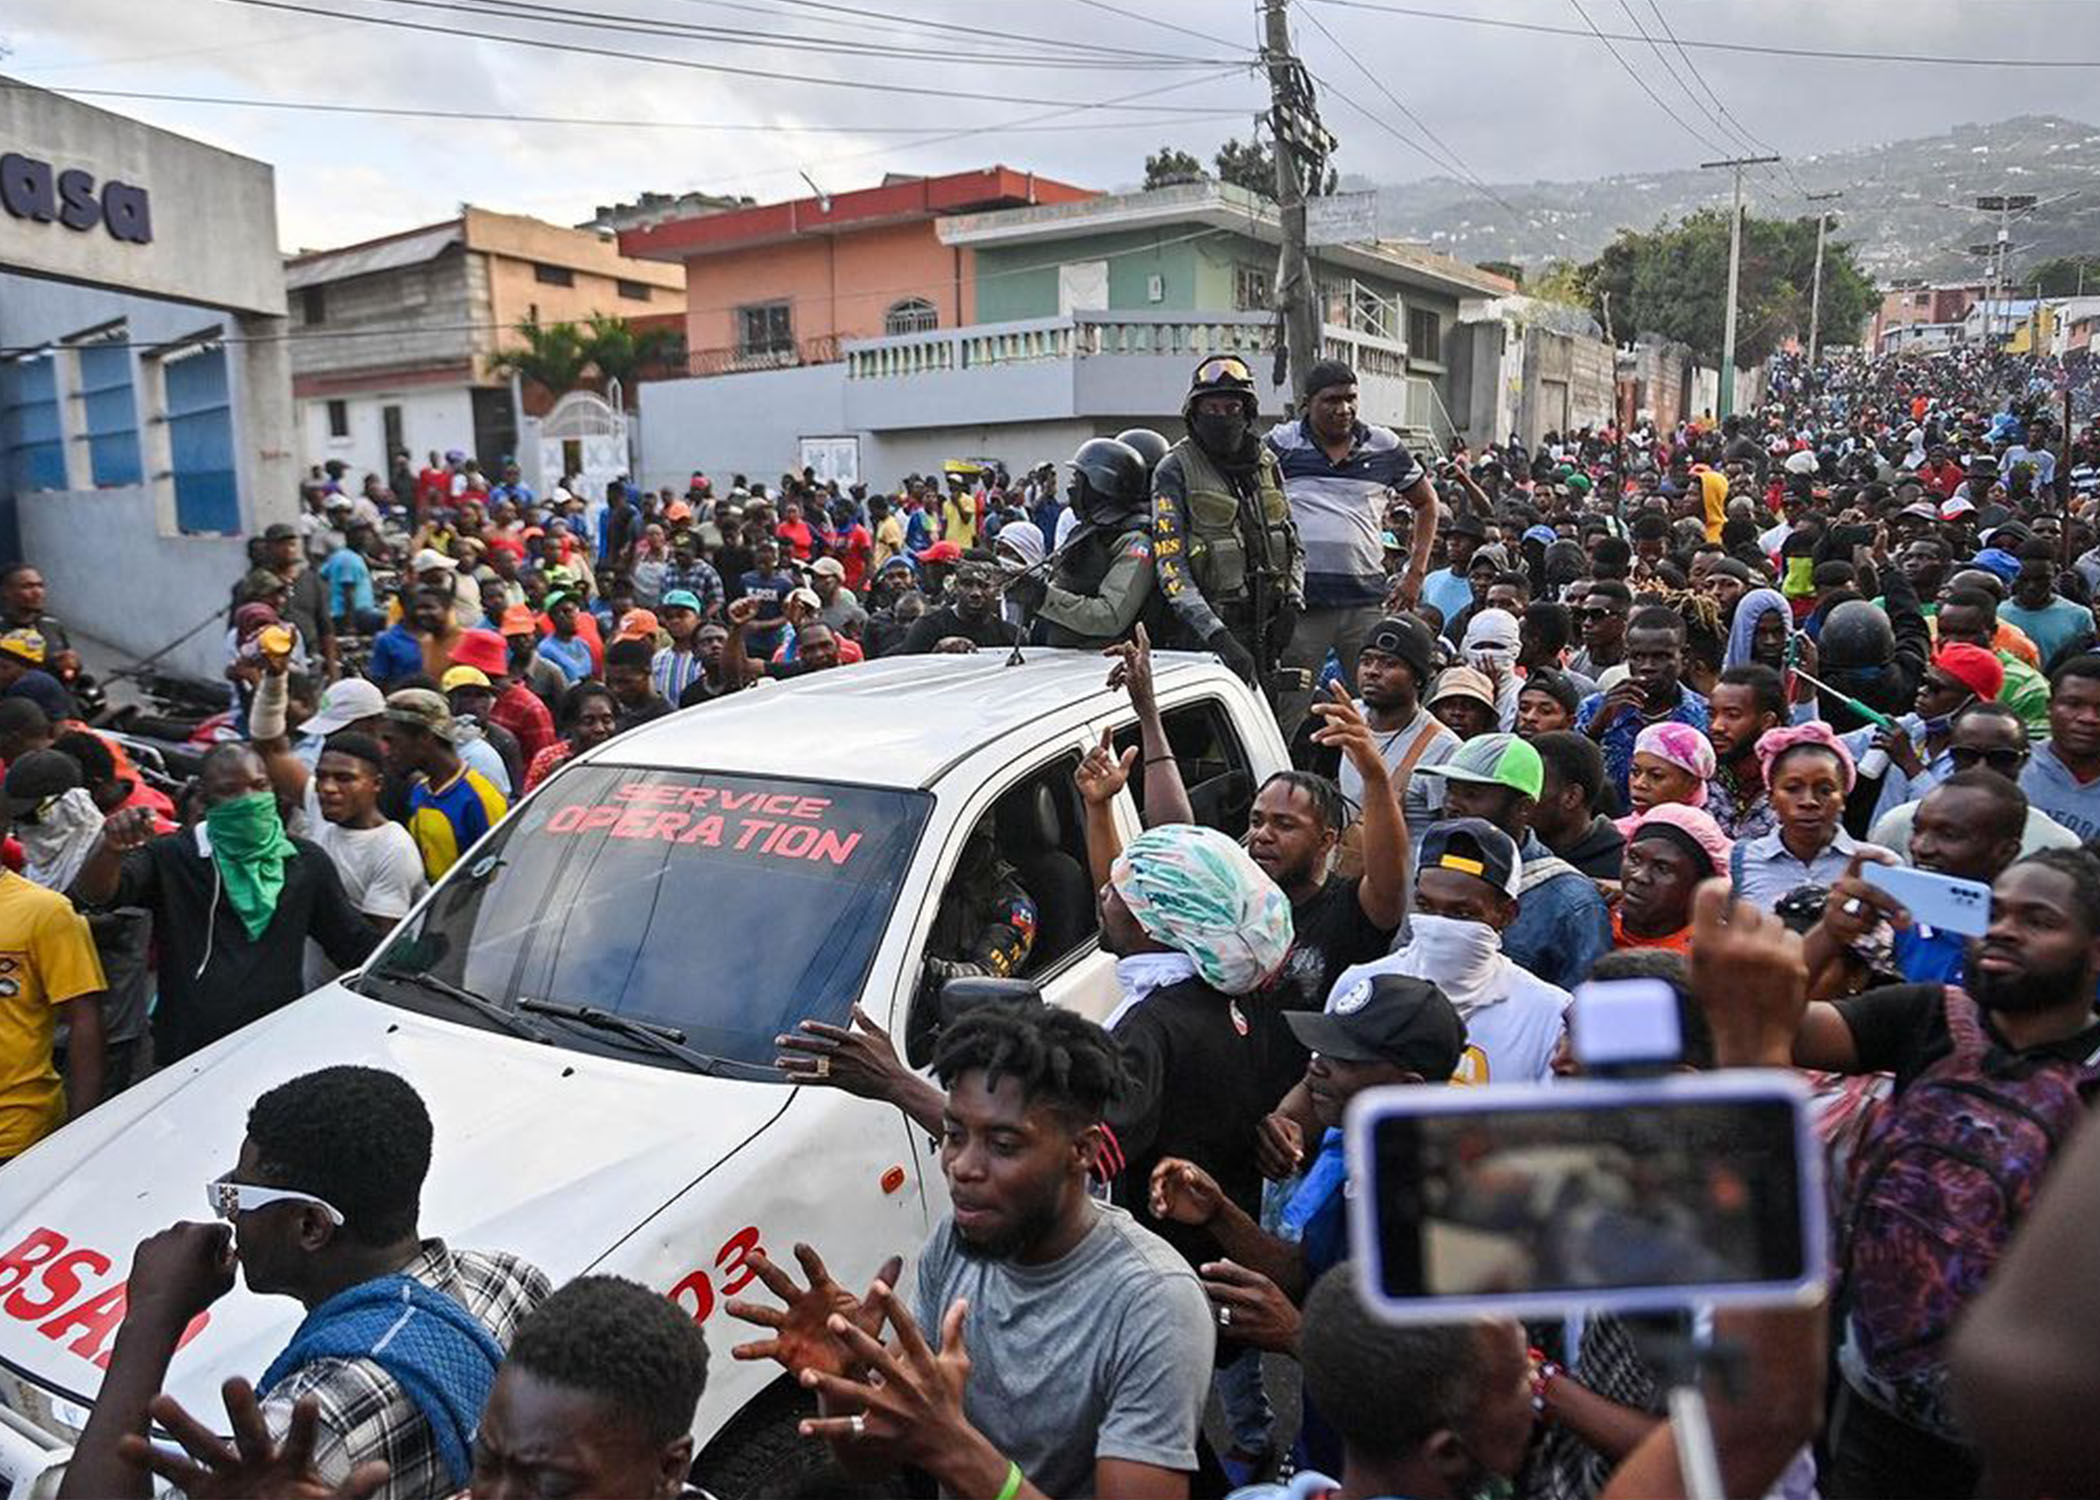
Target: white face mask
x=1459 y=957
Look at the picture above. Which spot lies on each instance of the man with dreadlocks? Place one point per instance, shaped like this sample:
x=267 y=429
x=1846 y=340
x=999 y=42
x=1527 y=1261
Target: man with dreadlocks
x=1066 y=1350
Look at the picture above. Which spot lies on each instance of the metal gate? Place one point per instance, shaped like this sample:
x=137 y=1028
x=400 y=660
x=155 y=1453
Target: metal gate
x=582 y=435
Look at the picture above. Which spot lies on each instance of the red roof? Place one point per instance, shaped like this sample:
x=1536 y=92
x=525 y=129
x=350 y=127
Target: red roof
x=843 y=213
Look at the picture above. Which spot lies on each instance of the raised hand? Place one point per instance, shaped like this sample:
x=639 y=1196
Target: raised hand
x=256 y=1467
x=1750 y=978
x=1103 y=773
x=804 y=1337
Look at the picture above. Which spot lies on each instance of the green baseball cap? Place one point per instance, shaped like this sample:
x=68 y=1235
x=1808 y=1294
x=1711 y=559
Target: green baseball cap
x=1494 y=760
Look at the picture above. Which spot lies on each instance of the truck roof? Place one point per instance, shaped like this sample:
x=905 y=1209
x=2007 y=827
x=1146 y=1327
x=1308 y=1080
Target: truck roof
x=896 y=721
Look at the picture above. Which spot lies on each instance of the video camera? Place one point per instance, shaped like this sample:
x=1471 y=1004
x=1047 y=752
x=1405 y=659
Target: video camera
x=1638 y=1189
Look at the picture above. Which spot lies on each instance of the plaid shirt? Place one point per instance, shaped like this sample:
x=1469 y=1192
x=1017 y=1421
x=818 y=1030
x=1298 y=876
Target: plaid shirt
x=365 y=1414
x=700 y=580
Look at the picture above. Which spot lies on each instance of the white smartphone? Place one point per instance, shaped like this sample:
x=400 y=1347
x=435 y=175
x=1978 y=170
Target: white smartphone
x=1944 y=901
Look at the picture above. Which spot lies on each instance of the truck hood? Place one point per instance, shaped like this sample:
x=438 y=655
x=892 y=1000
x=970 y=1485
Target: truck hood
x=551 y=1154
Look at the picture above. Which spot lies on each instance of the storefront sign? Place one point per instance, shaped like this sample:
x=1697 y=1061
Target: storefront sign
x=32 y=189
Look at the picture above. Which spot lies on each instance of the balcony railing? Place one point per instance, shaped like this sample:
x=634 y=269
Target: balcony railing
x=822 y=350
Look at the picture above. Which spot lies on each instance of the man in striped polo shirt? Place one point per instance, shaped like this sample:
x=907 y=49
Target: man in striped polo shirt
x=1339 y=474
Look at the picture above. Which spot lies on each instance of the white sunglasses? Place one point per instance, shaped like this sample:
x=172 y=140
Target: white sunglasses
x=229 y=1198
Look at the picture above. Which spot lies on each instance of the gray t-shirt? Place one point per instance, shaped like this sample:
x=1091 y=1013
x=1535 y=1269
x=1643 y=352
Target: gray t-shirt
x=1105 y=1353
x=1422 y=801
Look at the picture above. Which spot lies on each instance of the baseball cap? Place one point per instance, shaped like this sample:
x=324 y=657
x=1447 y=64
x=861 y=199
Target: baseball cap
x=1955 y=507
x=37 y=776
x=344 y=704
x=430 y=560
x=423 y=709
x=24 y=645
x=682 y=599
x=829 y=567
x=280 y=531
x=637 y=625
x=1462 y=682
x=261 y=581
x=941 y=552
x=457 y=676
x=807 y=597
x=558 y=597
x=1476 y=847
x=1493 y=760
x=483 y=650
x=1388 y=1018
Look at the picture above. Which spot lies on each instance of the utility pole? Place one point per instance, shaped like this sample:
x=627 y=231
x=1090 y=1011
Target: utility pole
x=1302 y=146
x=1724 y=402
x=2004 y=205
x=1815 y=294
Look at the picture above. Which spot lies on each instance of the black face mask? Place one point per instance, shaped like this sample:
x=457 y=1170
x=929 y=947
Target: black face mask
x=1217 y=434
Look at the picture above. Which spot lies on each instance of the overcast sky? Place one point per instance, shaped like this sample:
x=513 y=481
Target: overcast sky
x=1513 y=105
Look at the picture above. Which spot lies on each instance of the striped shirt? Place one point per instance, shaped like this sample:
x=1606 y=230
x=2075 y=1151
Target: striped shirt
x=1340 y=508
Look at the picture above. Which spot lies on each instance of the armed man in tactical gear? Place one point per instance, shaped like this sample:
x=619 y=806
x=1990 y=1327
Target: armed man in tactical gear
x=1225 y=549
x=1104 y=569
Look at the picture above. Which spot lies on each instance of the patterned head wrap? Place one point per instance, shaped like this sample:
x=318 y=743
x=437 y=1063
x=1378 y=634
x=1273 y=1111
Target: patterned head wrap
x=1683 y=747
x=1199 y=893
x=1774 y=743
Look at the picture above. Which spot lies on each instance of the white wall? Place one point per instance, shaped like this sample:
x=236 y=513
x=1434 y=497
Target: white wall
x=116 y=577
x=437 y=417
x=750 y=424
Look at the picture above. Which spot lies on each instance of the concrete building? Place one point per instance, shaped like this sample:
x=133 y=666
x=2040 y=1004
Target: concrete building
x=779 y=284
x=1525 y=366
x=1079 y=318
x=1910 y=305
x=394 y=337
x=145 y=395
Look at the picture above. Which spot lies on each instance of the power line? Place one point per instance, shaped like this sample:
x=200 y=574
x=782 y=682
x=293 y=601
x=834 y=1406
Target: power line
x=1634 y=73
x=918 y=25
x=1132 y=15
x=601 y=122
x=800 y=80
x=601 y=21
x=1760 y=49
x=1756 y=141
x=1457 y=162
x=1738 y=140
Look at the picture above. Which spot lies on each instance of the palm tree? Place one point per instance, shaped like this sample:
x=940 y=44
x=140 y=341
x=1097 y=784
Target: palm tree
x=555 y=356
x=621 y=352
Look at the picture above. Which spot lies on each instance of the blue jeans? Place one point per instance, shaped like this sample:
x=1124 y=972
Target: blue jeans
x=1248 y=1416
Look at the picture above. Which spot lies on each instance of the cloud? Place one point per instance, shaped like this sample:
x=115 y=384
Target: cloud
x=1513 y=106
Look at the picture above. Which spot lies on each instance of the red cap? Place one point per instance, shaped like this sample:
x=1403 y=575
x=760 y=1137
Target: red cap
x=1974 y=668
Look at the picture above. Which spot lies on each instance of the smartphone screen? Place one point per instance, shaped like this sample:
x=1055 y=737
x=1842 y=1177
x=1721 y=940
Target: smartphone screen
x=1591 y=1195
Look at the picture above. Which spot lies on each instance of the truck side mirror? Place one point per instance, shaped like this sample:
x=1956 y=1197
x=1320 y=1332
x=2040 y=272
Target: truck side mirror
x=961 y=996
x=955 y=999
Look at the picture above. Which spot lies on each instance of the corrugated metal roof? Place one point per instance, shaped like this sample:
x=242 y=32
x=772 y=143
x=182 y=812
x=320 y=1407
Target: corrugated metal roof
x=380 y=255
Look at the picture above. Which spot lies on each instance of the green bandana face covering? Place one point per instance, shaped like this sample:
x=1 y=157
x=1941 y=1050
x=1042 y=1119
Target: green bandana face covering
x=249 y=846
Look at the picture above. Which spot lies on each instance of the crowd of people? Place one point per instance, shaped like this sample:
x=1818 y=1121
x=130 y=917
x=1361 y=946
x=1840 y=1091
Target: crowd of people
x=1629 y=702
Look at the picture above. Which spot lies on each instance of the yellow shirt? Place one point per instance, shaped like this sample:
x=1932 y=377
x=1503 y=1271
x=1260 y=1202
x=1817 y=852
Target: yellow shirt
x=959 y=520
x=889 y=541
x=47 y=957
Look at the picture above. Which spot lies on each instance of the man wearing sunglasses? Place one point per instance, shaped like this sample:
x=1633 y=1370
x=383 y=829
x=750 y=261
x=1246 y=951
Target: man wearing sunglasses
x=1225 y=550
x=402 y=1335
x=1986 y=737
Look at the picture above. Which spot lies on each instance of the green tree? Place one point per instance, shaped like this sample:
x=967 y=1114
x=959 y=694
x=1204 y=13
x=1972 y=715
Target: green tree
x=619 y=352
x=1673 y=280
x=555 y=355
x=1170 y=167
x=2066 y=276
x=1251 y=166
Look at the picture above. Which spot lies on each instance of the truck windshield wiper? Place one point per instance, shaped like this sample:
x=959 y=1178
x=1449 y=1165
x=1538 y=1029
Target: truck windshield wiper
x=668 y=1041
x=481 y=1005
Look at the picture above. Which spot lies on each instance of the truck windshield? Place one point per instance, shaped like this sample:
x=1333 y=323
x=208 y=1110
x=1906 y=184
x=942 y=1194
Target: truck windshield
x=728 y=907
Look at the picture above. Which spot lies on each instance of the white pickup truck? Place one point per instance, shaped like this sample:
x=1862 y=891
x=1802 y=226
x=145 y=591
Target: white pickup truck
x=724 y=873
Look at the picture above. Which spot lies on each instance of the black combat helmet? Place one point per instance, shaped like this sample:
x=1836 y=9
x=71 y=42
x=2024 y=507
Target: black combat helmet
x=1109 y=479
x=1150 y=446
